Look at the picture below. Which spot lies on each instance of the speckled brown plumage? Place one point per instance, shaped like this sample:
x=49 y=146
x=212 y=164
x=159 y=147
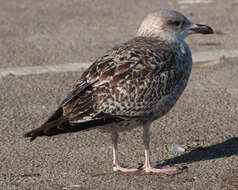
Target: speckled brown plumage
x=131 y=85
x=127 y=82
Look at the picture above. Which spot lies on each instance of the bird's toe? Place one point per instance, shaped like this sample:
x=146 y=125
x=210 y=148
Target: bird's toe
x=125 y=168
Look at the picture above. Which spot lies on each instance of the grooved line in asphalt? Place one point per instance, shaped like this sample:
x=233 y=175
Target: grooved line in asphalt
x=31 y=70
x=195 y=1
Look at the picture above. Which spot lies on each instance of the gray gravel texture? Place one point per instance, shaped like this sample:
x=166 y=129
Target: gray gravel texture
x=61 y=31
x=204 y=121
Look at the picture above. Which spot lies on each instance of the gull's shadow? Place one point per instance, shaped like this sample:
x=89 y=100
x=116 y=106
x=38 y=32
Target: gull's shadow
x=225 y=149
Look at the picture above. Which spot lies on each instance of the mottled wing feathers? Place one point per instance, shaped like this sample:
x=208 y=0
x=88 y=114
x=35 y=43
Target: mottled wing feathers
x=124 y=83
x=77 y=90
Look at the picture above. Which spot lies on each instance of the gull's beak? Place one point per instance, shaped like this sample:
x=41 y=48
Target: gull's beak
x=200 y=28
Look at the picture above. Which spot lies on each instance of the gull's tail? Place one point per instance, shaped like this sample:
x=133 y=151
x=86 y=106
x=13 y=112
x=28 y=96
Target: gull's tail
x=55 y=125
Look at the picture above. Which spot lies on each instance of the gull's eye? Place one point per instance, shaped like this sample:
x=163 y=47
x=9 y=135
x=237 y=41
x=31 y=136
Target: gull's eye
x=176 y=23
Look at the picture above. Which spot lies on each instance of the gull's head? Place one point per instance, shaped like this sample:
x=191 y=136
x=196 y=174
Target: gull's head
x=170 y=25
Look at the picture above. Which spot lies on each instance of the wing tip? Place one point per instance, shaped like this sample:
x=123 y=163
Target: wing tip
x=32 y=134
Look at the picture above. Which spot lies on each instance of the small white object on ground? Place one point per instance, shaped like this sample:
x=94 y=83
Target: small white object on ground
x=177 y=148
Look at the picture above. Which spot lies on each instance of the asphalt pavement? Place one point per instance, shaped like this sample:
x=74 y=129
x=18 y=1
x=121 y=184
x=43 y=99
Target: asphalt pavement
x=204 y=121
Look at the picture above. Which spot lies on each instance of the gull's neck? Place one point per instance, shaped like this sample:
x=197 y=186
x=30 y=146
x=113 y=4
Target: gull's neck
x=169 y=37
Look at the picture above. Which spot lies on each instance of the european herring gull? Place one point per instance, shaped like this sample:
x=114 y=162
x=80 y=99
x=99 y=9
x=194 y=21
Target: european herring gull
x=132 y=85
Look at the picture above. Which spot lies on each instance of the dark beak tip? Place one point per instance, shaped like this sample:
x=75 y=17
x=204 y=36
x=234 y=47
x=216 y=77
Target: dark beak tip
x=210 y=30
x=203 y=29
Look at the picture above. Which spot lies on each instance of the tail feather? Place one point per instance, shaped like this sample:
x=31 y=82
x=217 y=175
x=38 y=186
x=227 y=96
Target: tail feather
x=46 y=129
x=58 y=124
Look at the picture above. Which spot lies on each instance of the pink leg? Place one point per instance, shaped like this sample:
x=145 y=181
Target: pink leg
x=116 y=165
x=147 y=166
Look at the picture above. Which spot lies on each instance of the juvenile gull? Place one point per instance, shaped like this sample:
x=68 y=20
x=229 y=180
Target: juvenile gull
x=132 y=85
